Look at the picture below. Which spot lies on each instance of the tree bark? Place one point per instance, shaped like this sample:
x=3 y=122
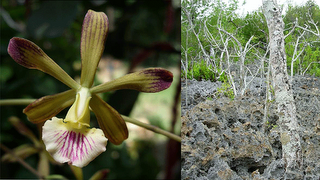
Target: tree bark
x=289 y=127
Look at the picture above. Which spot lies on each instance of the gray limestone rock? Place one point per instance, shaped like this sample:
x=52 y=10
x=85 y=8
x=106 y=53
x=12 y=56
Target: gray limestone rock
x=227 y=139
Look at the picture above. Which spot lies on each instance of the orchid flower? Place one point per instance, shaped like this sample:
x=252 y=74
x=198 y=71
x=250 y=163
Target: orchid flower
x=71 y=139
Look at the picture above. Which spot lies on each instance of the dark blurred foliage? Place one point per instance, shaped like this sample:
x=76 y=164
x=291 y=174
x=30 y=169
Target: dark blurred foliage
x=144 y=33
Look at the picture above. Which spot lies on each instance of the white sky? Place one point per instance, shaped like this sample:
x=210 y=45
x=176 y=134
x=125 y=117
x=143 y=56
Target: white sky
x=252 y=5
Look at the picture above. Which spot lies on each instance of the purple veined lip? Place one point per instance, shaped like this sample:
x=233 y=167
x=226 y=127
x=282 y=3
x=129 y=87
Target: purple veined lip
x=74 y=145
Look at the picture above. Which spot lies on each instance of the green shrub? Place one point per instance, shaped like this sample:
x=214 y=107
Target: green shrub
x=199 y=71
x=223 y=77
x=226 y=90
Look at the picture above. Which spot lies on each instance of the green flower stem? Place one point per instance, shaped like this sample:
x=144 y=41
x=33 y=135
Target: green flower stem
x=152 y=128
x=11 y=102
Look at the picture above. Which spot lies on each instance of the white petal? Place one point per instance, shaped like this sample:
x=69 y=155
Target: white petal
x=69 y=142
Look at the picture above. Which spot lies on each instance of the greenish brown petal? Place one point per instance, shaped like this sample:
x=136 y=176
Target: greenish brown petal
x=110 y=121
x=48 y=106
x=29 y=55
x=93 y=37
x=149 y=80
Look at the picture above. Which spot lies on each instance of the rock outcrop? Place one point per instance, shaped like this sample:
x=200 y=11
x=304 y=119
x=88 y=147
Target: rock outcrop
x=229 y=139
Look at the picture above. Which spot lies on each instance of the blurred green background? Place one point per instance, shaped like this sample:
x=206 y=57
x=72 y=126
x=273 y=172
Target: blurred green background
x=141 y=34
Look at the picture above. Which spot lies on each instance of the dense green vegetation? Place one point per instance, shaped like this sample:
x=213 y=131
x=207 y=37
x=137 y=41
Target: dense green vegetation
x=215 y=37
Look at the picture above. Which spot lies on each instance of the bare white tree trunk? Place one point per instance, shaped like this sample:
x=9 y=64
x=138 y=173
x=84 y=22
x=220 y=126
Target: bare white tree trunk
x=289 y=127
x=192 y=27
x=295 y=56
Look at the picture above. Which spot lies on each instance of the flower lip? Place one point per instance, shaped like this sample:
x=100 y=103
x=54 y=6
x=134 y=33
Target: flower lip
x=77 y=146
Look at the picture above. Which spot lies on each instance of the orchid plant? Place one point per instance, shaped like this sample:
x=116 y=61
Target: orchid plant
x=71 y=139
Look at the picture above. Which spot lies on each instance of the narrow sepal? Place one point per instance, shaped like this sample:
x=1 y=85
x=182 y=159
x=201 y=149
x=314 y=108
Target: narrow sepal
x=66 y=142
x=110 y=121
x=48 y=106
x=93 y=36
x=149 y=80
x=29 y=55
